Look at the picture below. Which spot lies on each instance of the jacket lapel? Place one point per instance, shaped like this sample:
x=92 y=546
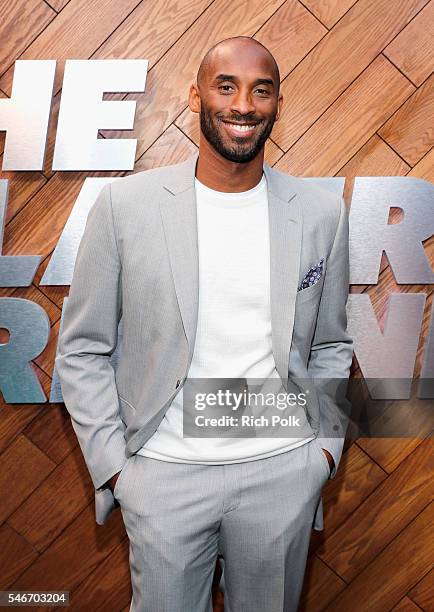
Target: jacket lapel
x=178 y=212
x=285 y=248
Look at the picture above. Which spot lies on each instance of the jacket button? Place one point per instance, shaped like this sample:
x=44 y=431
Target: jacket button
x=178 y=382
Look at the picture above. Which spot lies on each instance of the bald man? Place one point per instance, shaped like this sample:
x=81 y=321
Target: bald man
x=222 y=268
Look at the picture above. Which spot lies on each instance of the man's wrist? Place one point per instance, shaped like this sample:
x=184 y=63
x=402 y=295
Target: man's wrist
x=111 y=482
x=330 y=459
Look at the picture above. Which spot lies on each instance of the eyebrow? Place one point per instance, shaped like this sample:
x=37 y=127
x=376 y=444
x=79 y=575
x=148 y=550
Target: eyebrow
x=231 y=77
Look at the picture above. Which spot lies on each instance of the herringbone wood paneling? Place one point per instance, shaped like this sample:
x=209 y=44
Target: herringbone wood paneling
x=357 y=79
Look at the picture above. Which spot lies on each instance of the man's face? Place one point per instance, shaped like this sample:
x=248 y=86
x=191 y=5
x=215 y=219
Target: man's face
x=239 y=103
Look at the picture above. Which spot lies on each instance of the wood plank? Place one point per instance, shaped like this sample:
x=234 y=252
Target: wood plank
x=357 y=477
x=349 y=122
x=51 y=206
x=410 y=129
x=14 y=418
x=172 y=147
x=168 y=88
x=425 y=168
x=22 y=187
x=93 y=23
x=16 y=554
x=406 y=605
x=412 y=51
x=329 y=11
x=82 y=547
x=389 y=452
x=355 y=480
x=423 y=592
x=52 y=432
x=44 y=379
x=24 y=466
x=290 y=34
x=374 y=158
x=388 y=578
x=336 y=61
x=388 y=510
x=108 y=587
x=46 y=359
x=55 y=503
x=58 y=5
x=320 y=586
x=20 y=24
x=55 y=293
x=160 y=25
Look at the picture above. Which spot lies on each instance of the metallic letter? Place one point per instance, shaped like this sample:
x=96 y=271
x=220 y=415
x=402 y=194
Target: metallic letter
x=59 y=270
x=370 y=232
x=391 y=355
x=25 y=115
x=83 y=112
x=15 y=270
x=426 y=384
x=29 y=328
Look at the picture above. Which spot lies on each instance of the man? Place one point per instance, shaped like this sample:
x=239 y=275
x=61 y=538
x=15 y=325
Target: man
x=220 y=267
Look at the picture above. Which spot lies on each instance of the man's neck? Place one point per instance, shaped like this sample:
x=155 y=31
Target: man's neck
x=220 y=174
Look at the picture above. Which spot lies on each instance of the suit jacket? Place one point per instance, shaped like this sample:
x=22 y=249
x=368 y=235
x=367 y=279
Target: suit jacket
x=138 y=260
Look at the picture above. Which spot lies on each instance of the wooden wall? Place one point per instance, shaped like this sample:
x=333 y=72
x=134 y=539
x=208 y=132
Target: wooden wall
x=357 y=78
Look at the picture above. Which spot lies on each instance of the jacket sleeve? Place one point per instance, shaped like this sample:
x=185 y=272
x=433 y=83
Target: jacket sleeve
x=332 y=348
x=88 y=338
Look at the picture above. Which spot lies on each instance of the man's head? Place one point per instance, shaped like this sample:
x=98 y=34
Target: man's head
x=237 y=83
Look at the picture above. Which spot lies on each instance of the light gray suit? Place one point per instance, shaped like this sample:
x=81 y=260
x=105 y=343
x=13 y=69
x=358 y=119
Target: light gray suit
x=138 y=259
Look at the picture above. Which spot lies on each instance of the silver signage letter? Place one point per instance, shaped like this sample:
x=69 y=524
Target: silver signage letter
x=426 y=384
x=29 y=328
x=15 y=270
x=59 y=270
x=25 y=115
x=370 y=232
x=391 y=354
x=83 y=112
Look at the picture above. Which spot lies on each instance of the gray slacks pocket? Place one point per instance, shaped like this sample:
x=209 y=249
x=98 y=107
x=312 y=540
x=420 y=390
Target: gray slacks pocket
x=257 y=515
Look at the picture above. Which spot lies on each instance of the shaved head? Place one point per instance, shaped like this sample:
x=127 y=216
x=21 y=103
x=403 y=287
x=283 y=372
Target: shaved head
x=237 y=97
x=234 y=43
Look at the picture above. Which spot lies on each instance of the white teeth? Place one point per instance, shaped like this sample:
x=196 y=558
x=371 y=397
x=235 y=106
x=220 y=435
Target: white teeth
x=242 y=128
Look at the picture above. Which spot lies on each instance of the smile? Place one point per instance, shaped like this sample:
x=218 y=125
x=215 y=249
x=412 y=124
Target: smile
x=237 y=129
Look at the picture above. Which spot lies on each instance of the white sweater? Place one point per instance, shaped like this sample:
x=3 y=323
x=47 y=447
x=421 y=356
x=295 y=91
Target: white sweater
x=233 y=336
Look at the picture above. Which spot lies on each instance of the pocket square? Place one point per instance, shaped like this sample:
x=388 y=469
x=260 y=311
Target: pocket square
x=312 y=276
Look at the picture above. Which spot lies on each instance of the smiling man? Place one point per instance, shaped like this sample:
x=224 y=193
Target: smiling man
x=220 y=268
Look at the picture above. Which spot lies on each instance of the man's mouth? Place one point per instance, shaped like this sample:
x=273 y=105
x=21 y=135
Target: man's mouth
x=240 y=129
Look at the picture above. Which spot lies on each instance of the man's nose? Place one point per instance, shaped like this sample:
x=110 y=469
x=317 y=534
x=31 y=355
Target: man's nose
x=242 y=104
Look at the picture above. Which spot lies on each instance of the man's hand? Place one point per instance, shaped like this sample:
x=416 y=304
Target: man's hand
x=112 y=481
x=329 y=459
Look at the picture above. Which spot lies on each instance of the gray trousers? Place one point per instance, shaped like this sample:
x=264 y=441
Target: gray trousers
x=258 y=515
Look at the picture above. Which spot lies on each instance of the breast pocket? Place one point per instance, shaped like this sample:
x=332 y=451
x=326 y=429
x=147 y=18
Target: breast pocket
x=310 y=293
x=306 y=311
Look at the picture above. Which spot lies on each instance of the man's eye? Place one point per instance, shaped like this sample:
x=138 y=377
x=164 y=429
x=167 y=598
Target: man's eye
x=262 y=91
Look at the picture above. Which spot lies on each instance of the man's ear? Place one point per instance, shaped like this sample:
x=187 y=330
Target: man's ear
x=279 y=106
x=194 y=99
